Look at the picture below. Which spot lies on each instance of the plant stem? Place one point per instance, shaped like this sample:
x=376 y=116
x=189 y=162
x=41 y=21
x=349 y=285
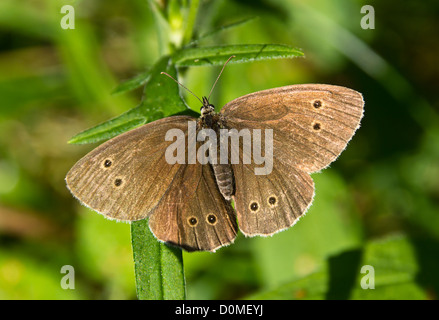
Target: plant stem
x=158 y=267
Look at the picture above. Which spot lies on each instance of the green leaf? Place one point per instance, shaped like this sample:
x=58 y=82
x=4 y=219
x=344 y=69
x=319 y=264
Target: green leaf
x=109 y=129
x=158 y=267
x=310 y=287
x=161 y=99
x=394 y=275
x=132 y=83
x=395 y=266
x=218 y=55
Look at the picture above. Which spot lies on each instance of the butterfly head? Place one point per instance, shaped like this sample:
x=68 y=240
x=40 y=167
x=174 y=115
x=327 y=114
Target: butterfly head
x=207 y=108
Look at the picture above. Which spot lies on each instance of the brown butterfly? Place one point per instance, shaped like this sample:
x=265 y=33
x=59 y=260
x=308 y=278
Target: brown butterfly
x=189 y=205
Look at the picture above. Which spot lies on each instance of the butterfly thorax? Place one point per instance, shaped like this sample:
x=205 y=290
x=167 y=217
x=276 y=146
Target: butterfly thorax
x=209 y=119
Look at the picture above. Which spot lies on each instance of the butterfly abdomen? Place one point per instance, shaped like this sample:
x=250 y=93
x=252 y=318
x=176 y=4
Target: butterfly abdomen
x=224 y=179
x=223 y=172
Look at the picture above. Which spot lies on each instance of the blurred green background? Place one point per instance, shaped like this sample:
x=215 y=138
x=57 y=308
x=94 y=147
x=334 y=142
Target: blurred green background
x=377 y=205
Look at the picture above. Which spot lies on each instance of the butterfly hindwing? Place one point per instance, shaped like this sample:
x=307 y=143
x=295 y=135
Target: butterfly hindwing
x=193 y=214
x=267 y=204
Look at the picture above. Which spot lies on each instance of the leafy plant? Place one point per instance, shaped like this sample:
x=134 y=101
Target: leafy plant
x=159 y=267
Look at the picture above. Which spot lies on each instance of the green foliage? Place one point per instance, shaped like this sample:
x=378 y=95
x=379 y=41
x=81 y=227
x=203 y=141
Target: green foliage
x=395 y=269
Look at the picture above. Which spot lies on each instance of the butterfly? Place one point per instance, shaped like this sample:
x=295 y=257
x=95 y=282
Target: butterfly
x=189 y=205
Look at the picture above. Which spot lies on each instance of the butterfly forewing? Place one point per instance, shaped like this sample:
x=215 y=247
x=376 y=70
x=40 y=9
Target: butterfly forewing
x=312 y=124
x=126 y=177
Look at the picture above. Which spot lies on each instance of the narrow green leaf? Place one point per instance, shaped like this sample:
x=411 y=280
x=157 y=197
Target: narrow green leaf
x=161 y=99
x=158 y=267
x=218 y=55
x=110 y=128
x=224 y=28
x=132 y=83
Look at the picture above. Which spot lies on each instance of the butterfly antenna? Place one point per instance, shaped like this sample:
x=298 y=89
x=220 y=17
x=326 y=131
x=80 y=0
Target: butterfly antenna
x=211 y=90
x=182 y=85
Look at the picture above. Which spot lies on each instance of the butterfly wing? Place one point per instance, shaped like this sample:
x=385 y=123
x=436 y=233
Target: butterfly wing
x=312 y=124
x=193 y=214
x=267 y=204
x=125 y=177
